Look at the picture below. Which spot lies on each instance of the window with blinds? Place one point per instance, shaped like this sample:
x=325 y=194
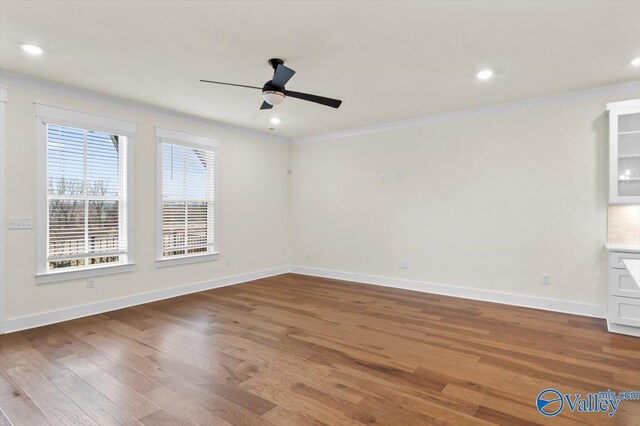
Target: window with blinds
x=86 y=198
x=188 y=200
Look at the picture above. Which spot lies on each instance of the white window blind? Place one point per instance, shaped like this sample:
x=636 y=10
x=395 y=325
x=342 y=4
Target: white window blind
x=86 y=197
x=188 y=200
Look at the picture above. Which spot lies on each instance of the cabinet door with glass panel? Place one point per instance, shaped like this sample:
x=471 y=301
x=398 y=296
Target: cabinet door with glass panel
x=624 y=152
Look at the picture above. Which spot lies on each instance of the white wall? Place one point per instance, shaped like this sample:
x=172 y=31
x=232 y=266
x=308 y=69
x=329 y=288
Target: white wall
x=488 y=202
x=254 y=210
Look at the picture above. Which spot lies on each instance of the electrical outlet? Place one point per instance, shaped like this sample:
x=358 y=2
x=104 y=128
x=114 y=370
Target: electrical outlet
x=404 y=264
x=91 y=282
x=546 y=279
x=227 y=261
x=381 y=176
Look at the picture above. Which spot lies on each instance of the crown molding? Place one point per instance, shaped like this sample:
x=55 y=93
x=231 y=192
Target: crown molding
x=616 y=90
x=91 y=96
x=88 y=95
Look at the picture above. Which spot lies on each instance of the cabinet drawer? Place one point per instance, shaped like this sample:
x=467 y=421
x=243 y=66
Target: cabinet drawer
x=624 y=310
x=616 y=258
x=621 y=283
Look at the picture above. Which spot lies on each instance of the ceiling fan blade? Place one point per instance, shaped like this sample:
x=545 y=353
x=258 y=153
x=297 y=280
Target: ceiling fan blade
x=231 y=84
x=282 y=75
x=266 y=105
x=333 y=103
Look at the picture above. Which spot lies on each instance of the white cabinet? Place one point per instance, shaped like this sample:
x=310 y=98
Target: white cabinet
x=624 y=152
x=623 y=313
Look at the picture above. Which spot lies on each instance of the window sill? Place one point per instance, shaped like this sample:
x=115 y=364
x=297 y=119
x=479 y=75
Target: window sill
x=50 y=277
x=183 y=260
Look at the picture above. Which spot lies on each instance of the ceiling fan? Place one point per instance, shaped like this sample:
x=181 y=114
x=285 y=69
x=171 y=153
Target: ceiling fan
x=274 y=92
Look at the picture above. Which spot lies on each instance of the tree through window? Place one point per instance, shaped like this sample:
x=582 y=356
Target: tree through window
x=86 y=197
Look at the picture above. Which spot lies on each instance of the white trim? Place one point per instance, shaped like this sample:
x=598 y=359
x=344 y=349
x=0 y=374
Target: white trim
x=179 y=137
x=91 y=96
x=3 y=101
x=616 y=90
x=41 y=197
x=67 y=117
x=62 y=275
x=51 y=317
x=183 y=260
x=554 y=305
x=130 y=200
x=48 y=114
x=175 y=137
x=623 y=247
x=95 y=97
x=623 y=329
x=634 y=103
x=159 y=196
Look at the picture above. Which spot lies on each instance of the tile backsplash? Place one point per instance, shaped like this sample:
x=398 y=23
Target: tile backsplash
x=624 y=225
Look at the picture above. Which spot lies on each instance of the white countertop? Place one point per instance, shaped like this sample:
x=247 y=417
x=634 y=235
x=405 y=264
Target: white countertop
x=622 y=247
x=633 y=266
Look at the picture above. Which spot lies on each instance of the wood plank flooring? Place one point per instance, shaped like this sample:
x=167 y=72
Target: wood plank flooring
x=296 y=350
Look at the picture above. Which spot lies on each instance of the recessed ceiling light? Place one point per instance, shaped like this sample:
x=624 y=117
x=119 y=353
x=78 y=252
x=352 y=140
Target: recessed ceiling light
x=484 y=74
x=275 y=120
x=636 y=62
x=32 y=49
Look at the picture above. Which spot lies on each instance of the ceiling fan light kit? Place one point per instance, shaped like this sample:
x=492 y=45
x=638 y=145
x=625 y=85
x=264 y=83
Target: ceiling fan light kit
x=274 y=92
x=273 y=97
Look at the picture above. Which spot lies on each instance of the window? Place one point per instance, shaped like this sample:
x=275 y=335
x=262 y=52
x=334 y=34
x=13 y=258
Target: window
x=187 y=177
x=85 y=196
x=85 y=223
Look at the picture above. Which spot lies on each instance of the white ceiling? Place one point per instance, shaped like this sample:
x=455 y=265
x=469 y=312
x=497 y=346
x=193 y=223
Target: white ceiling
x=386 y=60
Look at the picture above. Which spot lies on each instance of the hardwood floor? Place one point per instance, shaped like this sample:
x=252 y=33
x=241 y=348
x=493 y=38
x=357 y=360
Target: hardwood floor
x=296 y=350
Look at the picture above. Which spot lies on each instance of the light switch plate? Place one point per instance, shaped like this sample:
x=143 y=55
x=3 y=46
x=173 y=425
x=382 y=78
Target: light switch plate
x=20 y=223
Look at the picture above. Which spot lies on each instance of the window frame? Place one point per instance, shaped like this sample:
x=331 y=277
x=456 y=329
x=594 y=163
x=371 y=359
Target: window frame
x=190 y=140
x=45 y=115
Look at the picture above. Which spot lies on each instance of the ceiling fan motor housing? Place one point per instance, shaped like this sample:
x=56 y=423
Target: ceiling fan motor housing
x=272 y=95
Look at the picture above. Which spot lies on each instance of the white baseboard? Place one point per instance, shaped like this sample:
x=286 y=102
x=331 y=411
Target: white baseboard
x=576 y=308
x=51 y=317
x=37 y=320
x=623 y=329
